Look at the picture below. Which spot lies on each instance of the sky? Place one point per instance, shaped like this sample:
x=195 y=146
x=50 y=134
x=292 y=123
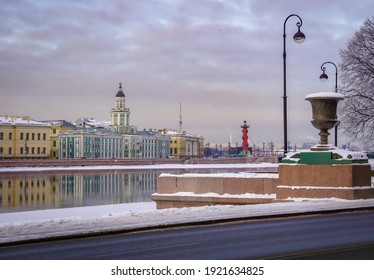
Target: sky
x=222 y=60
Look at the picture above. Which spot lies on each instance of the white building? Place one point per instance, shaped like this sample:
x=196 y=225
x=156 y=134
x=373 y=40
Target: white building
x=154 y=144
x=120 y=115
x=90 y=143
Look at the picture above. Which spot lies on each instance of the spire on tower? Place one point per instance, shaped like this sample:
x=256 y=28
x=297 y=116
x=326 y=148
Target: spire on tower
x=120 y=92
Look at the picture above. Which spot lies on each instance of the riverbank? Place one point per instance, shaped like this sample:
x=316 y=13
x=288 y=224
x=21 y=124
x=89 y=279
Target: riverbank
x=138 y=161
x=250 y=167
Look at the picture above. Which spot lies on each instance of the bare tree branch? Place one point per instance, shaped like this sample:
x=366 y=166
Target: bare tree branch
x=357 y=77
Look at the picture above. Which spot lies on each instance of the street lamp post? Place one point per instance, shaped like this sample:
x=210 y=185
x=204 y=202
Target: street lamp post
x=299 y=37
x=323 y=77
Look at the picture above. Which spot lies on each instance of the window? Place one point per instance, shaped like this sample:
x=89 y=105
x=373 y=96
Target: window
x=44 y=136
x=10 y=151
x=1 y=136
x=33 y=136
x=1 y=150
x=21 y=136
x=27 y=136
x=10 y=136
x=38 y=136
x=21 y=150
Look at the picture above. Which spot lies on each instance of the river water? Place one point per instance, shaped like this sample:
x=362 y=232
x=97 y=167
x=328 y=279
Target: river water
x=26 y=191
x=32 y=191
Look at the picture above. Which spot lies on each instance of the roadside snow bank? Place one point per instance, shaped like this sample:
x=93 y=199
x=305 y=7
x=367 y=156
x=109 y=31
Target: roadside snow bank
x=97 y=219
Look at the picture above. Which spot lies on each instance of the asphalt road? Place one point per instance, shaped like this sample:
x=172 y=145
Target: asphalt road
x=275 y=238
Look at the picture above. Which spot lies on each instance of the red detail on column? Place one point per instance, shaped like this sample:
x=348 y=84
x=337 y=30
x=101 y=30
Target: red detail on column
x=245 y=137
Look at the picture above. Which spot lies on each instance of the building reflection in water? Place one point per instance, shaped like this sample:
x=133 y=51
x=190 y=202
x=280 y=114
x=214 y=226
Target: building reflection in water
x=21 y=192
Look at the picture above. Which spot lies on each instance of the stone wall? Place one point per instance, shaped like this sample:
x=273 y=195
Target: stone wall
x=209 y=189
x=294 y=182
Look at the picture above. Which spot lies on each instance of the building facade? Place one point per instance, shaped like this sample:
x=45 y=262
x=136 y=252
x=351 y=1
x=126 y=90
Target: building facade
x=132 y=146
x=184 y=145
x=154 y=144
x=21 y=137
x=91 y=139
x=90 y=143
x=57 y=126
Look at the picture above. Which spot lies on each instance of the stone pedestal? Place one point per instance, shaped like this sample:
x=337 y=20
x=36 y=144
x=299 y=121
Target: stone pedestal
x=344 y=181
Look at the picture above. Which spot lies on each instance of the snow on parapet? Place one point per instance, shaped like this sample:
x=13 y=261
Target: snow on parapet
x=226 y=195
x=324 y=95
x=223 y=175
x=337 y=154
x=350 y=154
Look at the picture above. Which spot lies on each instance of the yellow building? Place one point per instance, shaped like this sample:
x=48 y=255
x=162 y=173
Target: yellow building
x=185 y=145
x=57 y=126
x=21 y=137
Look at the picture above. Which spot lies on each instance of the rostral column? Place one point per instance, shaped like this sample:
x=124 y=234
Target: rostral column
x=245 y=138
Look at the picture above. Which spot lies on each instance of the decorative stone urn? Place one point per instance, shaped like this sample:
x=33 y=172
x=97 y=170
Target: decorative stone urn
x=324 y=108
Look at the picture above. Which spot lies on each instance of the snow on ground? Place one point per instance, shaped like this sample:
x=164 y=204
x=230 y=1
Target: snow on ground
x=96 y=219
x=39 y=224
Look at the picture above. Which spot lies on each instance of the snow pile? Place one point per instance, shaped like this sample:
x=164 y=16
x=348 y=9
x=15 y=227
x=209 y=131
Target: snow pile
x=97 y=219
x=223 y=175
x=211 y=194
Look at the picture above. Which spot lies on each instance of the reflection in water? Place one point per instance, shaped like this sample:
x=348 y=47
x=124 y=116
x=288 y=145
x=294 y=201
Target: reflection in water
x=25 y=191
x=31 y=191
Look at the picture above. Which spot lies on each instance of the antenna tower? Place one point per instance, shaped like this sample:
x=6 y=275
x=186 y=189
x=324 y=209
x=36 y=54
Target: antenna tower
x=180 y=116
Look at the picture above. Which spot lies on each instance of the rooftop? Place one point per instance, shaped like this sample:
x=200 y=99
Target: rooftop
x=7 y=120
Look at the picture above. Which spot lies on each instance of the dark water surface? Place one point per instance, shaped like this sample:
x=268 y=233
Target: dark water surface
x=25 y=191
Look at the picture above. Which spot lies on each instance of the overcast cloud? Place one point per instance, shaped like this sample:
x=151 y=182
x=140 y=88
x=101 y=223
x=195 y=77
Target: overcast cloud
x=221 y=59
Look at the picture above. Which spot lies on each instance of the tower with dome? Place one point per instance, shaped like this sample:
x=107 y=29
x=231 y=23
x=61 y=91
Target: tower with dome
x=120 y=115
